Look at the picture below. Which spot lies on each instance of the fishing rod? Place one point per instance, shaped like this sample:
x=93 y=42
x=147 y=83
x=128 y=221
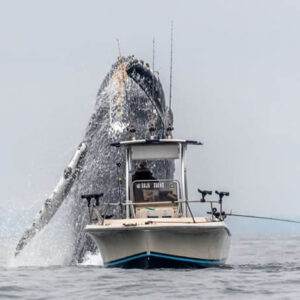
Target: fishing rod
x=222 y=214
x=261 y=217
x=152 y=128
x=119 y=187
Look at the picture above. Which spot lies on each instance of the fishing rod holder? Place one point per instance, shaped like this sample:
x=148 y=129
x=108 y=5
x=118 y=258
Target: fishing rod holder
x=221 y=195
x=132 y=131
x=170 y=127
x=93 y=201
x=169 y=131
x=203 y=194
x=219 y=215
x=214 y=211
x=152 y=130
x=90 y=197
x=95 y=208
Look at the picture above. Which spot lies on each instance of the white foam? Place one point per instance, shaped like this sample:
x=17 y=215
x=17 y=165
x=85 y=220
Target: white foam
x=92 y=259
x=118 y=127
x=53 y=245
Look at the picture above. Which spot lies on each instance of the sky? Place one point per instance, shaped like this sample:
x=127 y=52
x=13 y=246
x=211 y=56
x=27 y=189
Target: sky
x=235 y=87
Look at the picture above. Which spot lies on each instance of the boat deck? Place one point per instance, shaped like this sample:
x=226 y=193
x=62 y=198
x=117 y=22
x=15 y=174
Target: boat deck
x=157 y=223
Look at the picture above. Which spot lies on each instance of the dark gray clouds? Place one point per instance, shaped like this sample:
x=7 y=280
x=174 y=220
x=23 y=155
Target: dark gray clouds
x=236 y=87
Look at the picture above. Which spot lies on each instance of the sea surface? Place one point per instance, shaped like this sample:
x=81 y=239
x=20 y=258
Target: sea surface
x=260 y=266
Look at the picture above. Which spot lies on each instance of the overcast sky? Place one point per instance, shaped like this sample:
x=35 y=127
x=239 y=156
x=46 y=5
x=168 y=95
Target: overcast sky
x=236 y=88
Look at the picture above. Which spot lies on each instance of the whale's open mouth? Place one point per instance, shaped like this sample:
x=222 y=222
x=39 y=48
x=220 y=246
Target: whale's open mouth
x=149 y=82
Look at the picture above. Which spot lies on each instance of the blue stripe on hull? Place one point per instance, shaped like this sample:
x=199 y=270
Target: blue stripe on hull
x=125 y=260
x=186 y=259
x=161 y=260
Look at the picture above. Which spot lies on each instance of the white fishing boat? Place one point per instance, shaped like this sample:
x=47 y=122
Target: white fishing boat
x=158 y=227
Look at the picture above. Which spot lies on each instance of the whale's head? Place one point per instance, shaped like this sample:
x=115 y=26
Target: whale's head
x=131 y=93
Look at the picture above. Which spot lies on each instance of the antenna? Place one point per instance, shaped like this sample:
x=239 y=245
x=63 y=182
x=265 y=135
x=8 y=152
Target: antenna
x=119 y=49
x=120 y=60
x=153 y=81
x=171 y=67
x=170 y=121
x=153 y=54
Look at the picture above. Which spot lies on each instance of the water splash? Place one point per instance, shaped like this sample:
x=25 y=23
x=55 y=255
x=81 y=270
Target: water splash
x=92 y=259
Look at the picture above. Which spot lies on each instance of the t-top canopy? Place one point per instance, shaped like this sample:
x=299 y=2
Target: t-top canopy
x=155 y=141
x=155 y=149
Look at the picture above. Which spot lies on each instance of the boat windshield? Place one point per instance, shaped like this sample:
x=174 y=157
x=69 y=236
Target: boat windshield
x=155 y=190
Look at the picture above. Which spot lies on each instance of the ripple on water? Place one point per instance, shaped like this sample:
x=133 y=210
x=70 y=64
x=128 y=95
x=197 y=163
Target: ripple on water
x=253 y=272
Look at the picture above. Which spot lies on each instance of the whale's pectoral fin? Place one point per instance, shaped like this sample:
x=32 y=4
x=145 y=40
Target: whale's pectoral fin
x=52 y=204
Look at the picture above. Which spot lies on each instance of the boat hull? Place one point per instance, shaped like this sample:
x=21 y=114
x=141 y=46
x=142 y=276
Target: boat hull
x=161 y=260
x=177 y=245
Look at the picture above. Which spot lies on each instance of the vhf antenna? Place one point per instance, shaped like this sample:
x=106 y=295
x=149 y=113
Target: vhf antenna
x=120 y=59
x=119 y=49
x=169 y=123
x=152 y=123
x=153 y=81
x=171 y=67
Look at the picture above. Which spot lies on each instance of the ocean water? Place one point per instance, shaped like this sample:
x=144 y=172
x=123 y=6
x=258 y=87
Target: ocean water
x=260 y=266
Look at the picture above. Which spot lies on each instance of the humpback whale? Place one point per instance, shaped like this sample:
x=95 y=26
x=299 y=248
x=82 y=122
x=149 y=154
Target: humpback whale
x=131 y=94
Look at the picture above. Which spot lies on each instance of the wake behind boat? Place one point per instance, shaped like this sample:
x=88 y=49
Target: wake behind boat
x=157 y=227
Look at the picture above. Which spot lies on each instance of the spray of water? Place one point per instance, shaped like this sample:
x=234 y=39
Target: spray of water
x=125 y=94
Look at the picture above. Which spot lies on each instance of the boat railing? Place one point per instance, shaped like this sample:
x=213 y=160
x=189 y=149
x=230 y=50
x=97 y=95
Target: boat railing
x=95 y=206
